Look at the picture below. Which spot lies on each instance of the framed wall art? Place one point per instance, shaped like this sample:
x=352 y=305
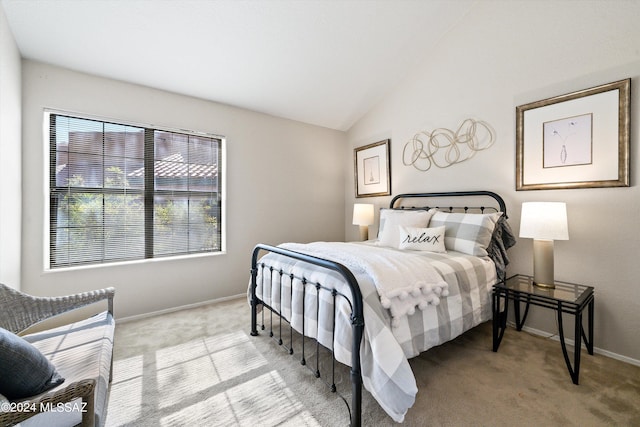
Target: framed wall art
x=577 y=140
x=372 y=169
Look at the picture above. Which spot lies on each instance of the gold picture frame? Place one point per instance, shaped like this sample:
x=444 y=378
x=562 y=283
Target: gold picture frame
x=372 y=169
x=576 y=140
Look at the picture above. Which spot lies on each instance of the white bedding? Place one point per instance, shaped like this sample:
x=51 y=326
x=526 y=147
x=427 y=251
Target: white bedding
x=405 y=281
x=385 y=350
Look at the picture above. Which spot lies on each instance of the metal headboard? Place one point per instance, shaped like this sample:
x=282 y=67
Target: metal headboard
x=502 y=207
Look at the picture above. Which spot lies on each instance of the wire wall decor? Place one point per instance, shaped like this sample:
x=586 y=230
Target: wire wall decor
x=444 y=147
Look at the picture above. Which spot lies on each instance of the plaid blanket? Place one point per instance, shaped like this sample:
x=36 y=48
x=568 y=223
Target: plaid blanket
x=384 y=350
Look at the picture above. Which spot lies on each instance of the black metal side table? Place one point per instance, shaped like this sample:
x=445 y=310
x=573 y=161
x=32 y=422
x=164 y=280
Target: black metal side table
x=566 y=297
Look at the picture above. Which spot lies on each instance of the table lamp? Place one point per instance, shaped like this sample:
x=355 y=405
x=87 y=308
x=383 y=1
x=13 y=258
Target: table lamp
x=363 y=216
x=544 y=222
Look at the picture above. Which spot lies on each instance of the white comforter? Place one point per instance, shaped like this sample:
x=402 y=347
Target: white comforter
x=384 y=350
x=405 y=281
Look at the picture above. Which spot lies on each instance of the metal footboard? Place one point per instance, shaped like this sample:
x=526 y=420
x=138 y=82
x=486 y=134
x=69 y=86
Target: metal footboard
x=354 y=300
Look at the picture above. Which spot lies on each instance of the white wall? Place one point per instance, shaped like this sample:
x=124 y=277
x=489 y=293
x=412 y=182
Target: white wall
x=10 y=152
x=507 y=53
x=284 y=181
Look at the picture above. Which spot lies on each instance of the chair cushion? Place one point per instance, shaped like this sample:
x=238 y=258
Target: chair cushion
x=25 y=370
x=81 y=350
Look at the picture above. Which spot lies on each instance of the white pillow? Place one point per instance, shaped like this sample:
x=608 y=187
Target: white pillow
x=422 y=239
x=465 y=232
x=390 y=219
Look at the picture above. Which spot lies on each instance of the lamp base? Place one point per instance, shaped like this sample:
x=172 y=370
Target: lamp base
x=544 y=285
x=543 y=264
x=364 y=232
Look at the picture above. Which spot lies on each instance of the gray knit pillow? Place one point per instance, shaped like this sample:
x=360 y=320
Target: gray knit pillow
x=25 y=370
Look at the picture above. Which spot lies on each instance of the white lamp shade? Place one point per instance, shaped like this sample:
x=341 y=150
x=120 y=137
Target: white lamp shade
x=362 y=214
x=544 y=221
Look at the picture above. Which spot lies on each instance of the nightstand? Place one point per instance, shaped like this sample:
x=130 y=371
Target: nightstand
x=566 y=297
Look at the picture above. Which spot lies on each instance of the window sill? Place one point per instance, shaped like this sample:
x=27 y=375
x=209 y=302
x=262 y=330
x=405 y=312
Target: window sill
x=148 y=261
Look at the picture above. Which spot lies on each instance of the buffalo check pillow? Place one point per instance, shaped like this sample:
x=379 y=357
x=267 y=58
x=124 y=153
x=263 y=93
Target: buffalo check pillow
x=465 y=232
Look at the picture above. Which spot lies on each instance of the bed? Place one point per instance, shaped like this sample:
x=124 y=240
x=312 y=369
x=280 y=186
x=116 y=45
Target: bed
x=425 y=279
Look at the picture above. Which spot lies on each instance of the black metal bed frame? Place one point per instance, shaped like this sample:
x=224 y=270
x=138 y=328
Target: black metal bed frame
x=354 y=300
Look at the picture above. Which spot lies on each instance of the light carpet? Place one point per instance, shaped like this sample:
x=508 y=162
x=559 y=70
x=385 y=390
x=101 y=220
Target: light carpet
x=200 y=367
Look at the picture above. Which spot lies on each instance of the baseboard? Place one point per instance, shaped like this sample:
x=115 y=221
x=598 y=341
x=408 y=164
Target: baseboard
x=571 y=342
x=174 y=309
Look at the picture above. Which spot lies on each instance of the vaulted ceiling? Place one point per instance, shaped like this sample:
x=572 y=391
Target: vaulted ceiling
x=323 y=62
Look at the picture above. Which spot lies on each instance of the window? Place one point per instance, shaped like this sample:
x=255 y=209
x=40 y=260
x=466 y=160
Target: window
x=121 y=192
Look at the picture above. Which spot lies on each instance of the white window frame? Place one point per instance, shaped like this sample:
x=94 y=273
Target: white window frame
x=222 y=185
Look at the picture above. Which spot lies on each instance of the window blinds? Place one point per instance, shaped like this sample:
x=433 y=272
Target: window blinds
x=121 y=192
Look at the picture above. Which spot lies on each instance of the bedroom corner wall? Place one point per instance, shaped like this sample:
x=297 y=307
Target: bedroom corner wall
x=500 y=55
x=10 y=155
x=283 y=183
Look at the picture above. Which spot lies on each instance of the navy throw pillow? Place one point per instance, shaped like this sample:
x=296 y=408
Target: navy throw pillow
x=24 y=371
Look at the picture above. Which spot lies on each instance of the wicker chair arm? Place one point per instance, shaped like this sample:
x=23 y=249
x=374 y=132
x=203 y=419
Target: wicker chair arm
x=25 y=409
x=19 y=311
